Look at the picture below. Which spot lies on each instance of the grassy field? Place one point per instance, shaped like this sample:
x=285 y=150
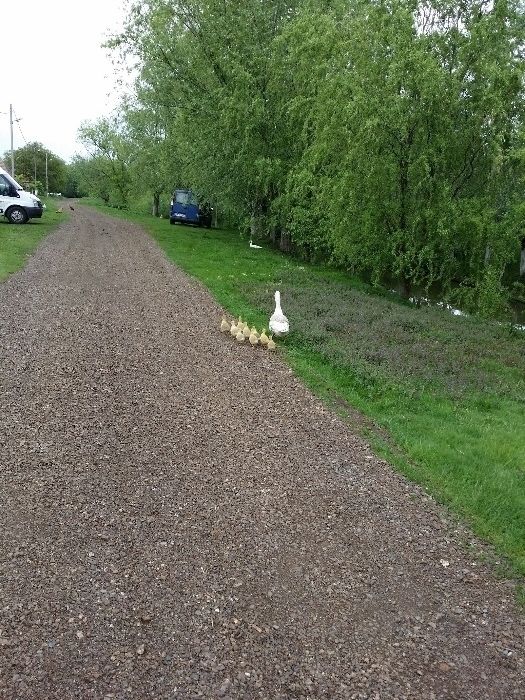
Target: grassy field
x=18 y=242
x=442 y=397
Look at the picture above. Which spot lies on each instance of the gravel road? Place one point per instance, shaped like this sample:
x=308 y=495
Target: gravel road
x=180 y=518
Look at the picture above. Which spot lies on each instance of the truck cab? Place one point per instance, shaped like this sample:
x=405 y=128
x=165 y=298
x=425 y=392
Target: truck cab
x=17 y=205
x=185 y=209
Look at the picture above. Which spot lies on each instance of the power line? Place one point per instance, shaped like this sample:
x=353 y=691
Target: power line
x=18 y=120
x=14 y=118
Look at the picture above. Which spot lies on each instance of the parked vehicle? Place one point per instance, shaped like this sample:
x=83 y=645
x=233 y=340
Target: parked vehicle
x=17 y=205
x=186 y=209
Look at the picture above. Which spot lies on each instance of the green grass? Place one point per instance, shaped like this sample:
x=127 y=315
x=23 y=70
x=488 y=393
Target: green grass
x=443 y=396
x=17 y=242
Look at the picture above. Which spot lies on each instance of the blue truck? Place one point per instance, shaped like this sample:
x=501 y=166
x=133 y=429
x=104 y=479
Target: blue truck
x=186 y=209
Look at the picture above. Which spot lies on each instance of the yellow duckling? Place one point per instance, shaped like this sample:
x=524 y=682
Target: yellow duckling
x=246 y=330
x=271 y=343
x=240 y=324
x=234 y=329
x=263 y=338
x=225 y=326
x=254 y=340
x=240 y=337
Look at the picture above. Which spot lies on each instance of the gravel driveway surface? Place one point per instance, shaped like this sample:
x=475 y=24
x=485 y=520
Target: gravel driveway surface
x=180 y=518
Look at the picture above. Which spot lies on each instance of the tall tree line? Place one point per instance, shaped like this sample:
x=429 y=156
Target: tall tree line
x=37 y=166
x=384 y=135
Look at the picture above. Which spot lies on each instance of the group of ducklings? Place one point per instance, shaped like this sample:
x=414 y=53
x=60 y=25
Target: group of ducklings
x=241 y=331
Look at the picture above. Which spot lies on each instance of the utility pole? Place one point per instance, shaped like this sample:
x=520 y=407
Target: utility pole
x=47 y=178
x=12 y=149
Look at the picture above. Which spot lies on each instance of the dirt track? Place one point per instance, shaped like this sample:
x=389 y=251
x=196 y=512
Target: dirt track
x=180 y=518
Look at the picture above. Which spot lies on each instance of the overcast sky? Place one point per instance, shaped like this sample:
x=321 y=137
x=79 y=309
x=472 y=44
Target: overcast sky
x=54 y=71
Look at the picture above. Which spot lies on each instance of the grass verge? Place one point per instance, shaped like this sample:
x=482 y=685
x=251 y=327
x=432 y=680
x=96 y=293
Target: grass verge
x=443 y=396
x=17 y=242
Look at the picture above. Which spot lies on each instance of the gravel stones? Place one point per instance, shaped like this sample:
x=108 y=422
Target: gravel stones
x=205 y=543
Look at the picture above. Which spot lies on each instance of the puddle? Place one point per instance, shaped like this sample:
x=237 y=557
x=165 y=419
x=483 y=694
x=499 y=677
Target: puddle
x=517 y=309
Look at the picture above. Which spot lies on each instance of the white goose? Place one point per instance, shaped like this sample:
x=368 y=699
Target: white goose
x=278 y=322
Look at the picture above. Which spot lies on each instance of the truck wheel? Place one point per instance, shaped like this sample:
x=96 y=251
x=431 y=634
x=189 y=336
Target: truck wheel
x=16 y=215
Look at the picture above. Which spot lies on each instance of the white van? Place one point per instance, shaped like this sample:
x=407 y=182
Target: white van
x=17 y=205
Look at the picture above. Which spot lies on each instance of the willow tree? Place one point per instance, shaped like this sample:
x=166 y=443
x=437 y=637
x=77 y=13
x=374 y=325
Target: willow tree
x=409 y=135
x=385 y=135
x=209 y=65
x=154 y=163
x=108 y=167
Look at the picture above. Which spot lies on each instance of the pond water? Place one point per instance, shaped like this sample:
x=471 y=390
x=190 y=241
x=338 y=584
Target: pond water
x=517 y=308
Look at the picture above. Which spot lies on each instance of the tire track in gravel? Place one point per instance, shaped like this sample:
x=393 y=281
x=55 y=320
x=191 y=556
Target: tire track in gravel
x=181 y=518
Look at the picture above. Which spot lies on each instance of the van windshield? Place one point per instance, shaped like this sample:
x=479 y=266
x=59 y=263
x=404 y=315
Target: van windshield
x=12 y=182
x=185 y=197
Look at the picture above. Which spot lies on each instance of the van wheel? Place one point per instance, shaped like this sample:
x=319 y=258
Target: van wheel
x=16 y=215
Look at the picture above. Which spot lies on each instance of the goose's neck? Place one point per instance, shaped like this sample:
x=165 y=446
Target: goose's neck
x=278 y=302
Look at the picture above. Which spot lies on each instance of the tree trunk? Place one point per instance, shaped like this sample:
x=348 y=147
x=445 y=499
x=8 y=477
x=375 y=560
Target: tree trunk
x=156 y=203
x=256 y=224
x=285 y=244
x=522 y=258
x=258 y=219
x=253 y=227
x=407 y=287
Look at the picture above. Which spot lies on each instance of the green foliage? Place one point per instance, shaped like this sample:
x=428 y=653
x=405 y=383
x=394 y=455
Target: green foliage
x=106 y=173
x=30 y=167
x=209 y=67
x=72 y=187
x=385 y=137
x=518 y=291
x=411 y=171
x=488 y=297
x=75 y=185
